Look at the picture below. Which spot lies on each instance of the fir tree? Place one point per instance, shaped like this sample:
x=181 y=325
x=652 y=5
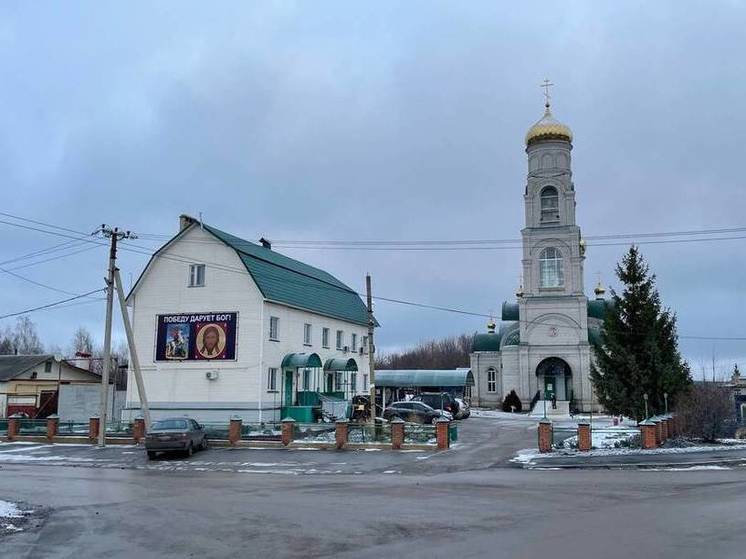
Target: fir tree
x=639 y=352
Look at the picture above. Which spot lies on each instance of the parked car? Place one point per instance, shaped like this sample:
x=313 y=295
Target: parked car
x=439 y=401
x=181 y=434
x=464 y=409
x=411 y=411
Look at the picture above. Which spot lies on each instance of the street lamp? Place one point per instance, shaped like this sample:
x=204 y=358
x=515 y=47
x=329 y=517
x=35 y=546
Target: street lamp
x=645 y=397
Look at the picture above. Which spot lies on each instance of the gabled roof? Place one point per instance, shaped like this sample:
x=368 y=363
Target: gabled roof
x=12 y=366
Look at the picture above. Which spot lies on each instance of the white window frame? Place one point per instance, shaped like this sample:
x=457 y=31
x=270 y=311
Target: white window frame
x=365 y=382
x=325 y=338
x=307 y=334
x=338 y=381
x=353 y=341
x=274 y=328
x=492 y=380
x=364 y=345
x=353 y=383
x=551 y=273
x=306 y=379
x=197 y=274
x=549 y=214
x=272 y=379
x=340 y=339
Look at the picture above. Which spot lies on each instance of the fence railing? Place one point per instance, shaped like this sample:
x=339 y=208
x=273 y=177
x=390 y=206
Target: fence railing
x=72 y=429
x=32 y=427
x=119 y=429
x=261 y=431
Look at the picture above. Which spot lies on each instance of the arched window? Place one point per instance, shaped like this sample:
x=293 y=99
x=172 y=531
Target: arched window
x=491 y=380
x=550 y=268
x=549 y=204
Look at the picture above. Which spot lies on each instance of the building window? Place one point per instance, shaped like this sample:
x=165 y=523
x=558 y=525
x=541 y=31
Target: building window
x=353 y=383
x=340 y=339
x=353 y=342
x=491 y=380
x=338 y=381
x=196 y=275
x=549 y=205
x=364 y=345
x=306 y=379
x=365 y=383
x=274 y=328
x=325 y=338
x=550 y=268
x=272 y=380
x=48 y=367
x=307 y=334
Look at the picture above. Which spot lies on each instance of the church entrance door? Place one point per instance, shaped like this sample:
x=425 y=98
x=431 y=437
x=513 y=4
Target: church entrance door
x=555 y=375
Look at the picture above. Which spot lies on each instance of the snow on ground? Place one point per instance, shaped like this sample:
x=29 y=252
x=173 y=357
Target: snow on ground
x=9 y=510
x=612 y=436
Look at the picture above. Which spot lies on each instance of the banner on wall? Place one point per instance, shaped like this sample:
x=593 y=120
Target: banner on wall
x=195 y=337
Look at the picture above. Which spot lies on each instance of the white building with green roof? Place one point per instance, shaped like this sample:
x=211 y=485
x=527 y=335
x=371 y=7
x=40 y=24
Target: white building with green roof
x=226 y=327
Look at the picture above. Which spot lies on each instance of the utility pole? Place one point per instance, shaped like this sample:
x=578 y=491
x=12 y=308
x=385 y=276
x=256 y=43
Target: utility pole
x=371 y=350
x=114 y=235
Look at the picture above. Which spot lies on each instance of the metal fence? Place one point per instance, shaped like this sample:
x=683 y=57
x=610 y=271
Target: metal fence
x=264 y=431
x=119 y=429
x=216 y=430
x=72 y=429
x=363 y=433
x=32 y=427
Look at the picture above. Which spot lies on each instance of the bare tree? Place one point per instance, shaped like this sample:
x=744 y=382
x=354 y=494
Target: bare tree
x=26 y=338
x=6 y=342
x=448 y=353
x=707 y=410
x=82 y=341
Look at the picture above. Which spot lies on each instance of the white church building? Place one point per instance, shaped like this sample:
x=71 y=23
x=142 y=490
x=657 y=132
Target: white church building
x=542 y=349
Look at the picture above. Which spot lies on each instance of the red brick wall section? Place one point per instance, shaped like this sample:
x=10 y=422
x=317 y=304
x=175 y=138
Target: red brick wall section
x=584 y=436
x=138 y=430
x=442 y=435
x=93 y=426
x=341 y=433
x=12 y=428
x=658 y=432
x=234 y=430
x=647 y=430
x=664 y=430
x=397 y=433
x=545 y=435
x=52 y=423
x=288 y=426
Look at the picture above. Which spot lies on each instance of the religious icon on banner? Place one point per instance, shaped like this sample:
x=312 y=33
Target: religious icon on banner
x=177 y=343
x=210 y=341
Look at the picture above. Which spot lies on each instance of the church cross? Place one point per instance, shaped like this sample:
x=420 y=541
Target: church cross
x=546 y=84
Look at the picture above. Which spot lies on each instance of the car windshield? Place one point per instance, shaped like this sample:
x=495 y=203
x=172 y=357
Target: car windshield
x=169 y=425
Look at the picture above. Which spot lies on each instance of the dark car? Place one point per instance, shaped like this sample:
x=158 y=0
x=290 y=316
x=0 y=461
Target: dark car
x=412 y=412
x=177 y=434
x=439 y=401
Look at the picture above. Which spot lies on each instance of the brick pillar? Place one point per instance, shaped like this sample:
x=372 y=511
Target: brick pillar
x=647 y=433
x=341 y=433
x=545 y=435
x=93 y=426
x=671 y=426
x=584 y=436
x=138 y=430
x=288 y=427
x=397 y=433
x=53 y=422
x=234 y=430
x=658 y=431
x=442 y=434
x=664 y=429
x=13 y=424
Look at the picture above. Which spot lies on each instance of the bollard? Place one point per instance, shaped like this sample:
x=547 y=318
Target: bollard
x=138 y=430
x=53 y=422
x=442 y=433
x=341 y=432
x=647 y=434
x=584 y=436
x=93 y=426
x=234 y=430
x=14 y=423
x=397 y=433
x=288 y=426
x=545 y=435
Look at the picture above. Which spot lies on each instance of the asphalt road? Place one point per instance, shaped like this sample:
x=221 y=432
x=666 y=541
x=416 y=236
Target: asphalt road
x=462 y=503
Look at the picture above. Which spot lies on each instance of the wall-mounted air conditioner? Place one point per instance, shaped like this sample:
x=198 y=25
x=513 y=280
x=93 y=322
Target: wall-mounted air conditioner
x=212 y=375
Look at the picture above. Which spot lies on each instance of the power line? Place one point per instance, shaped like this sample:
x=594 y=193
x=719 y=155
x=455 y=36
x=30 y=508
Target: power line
x=49 y=305
x=37 y=283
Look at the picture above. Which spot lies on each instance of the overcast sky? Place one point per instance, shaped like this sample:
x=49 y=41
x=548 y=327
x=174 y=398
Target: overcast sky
x=376 y=120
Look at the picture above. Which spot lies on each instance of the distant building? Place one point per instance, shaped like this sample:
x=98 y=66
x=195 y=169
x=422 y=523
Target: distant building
x=227 y=327
x=30 y=384
x=543 y=346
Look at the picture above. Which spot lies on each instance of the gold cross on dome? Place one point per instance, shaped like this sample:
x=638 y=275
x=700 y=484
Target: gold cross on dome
x=546 y=84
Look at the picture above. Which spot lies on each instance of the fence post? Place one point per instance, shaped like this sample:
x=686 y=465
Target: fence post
x=288 y=426
x=234 y=430
x=93 y=427
x=584 y=436
x=658 y=430
x=53 y=422
x=397 y=433
x=545 y=435
x=664 y=429
x=341 y=432
x=13 y=425
x=647 y=434
x=138 y=430
x=442 y=433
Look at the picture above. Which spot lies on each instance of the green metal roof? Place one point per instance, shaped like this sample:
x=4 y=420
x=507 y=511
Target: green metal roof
x=510 y=311
x=295 y=360
x=284 y=280
x=486 y=342
x=424 y=377
x=340 y=365
x=510 y=333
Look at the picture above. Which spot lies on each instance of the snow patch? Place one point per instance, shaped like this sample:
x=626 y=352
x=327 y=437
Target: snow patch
x=9 y=510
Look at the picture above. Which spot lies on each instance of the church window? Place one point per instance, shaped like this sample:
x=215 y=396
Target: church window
x=550 y=268
x=491 y=380
x=549 y=204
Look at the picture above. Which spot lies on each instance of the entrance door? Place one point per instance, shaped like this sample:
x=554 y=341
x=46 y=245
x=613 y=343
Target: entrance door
x=549 y=387
x=329 y=383
x=288 y=388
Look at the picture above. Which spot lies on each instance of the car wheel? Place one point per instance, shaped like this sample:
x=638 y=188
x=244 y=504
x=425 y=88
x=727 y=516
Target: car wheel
x=203 y=446
x=151 y=454
x=189 y=450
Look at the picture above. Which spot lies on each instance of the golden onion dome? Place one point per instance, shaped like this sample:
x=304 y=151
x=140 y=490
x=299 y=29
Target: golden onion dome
x=548 y=128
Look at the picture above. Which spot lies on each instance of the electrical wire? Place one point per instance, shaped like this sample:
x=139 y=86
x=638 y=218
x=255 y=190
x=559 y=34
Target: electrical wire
x=50 y=305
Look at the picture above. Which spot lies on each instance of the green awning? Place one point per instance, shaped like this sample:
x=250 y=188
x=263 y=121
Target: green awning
x=340 y=365
x=393 y=378
x=306 y=360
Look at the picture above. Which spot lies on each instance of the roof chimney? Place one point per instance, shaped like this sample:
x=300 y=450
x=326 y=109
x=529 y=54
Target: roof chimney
x=265 y=243
x=185 y=221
